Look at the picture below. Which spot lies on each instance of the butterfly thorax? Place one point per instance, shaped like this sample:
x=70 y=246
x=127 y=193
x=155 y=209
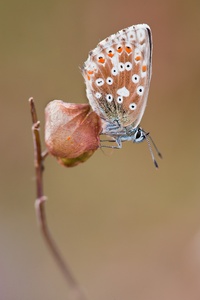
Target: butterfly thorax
x=122 y=134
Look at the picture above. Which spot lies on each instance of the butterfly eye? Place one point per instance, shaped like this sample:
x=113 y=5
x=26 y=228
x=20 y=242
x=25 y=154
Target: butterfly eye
x=121 y=67
x=98 y=95
x=114 y=71
x=119 y=99
x=99 y=82
x=135 y=78
x=140 y=90
x=128 y=66
x=109 y=97
x=109 y=80
x=132 y=106
x=139 y=136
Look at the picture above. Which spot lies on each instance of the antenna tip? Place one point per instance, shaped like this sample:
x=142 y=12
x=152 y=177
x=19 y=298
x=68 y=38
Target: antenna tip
x=155 y=163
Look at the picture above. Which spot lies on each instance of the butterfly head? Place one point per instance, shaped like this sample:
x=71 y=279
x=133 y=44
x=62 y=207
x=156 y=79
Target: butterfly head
x=139 y=135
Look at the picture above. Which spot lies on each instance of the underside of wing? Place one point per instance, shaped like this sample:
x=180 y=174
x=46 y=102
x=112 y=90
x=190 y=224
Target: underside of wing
x=117 y=74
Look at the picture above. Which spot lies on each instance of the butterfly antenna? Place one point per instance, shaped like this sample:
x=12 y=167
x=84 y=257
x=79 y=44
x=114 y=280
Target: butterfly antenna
x=157 y=151
x=148 y=139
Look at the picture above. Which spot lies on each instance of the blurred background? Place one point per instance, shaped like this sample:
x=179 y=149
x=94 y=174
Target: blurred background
x=127 y=230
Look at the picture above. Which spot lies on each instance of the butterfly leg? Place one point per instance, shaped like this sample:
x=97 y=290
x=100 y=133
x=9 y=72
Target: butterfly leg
x=117 y=141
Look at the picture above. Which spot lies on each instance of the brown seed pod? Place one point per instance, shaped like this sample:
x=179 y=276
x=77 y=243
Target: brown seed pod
x=71 y=132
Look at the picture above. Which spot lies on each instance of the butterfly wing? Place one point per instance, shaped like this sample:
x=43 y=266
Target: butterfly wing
x=117 y=74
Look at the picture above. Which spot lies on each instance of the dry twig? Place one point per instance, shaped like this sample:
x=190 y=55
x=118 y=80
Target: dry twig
x=76 y=292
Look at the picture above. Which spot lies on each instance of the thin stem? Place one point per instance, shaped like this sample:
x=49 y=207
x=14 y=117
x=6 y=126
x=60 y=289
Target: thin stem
x=40 y=207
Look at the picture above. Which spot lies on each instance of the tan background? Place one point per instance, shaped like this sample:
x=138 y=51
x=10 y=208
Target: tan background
x=127 y=230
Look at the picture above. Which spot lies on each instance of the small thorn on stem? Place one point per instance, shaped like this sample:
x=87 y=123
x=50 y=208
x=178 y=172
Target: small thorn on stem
x=45 y=153
x=39 y=201
x=36 y=125
x=30 y=100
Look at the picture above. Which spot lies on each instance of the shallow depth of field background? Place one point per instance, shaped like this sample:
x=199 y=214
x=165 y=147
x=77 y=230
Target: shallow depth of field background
x=127 y=230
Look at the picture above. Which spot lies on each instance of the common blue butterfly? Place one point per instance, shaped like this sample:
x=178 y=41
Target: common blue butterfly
x=117 y=74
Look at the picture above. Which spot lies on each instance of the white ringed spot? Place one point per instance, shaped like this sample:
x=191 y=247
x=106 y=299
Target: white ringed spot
x=99 y=81
x=135 y=78
x=128 y=66
x=119 y=99
x=114 y=71
x=109 y=97
x=109 y=80
x=121 y=67
x=133 y=106
x=98 y=95
x=140 y=90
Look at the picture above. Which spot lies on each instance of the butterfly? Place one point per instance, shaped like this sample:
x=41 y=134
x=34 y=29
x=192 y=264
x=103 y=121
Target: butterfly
x=117 y=75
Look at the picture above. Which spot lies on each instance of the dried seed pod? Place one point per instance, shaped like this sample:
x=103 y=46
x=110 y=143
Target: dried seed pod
x=71 y=132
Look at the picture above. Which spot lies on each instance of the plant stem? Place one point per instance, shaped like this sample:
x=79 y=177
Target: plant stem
x=39 y=157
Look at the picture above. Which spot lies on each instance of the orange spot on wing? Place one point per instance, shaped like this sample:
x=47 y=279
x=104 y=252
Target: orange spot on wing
x=144 y=68
x=68 y=138
x=110 y=54
x=101 y=60
x=88 y=77
x=90 y=72
x=138 y=58
x=128 y=49
x=119 y=49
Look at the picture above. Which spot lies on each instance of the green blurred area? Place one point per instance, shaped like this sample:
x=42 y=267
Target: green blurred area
x=127 y=230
